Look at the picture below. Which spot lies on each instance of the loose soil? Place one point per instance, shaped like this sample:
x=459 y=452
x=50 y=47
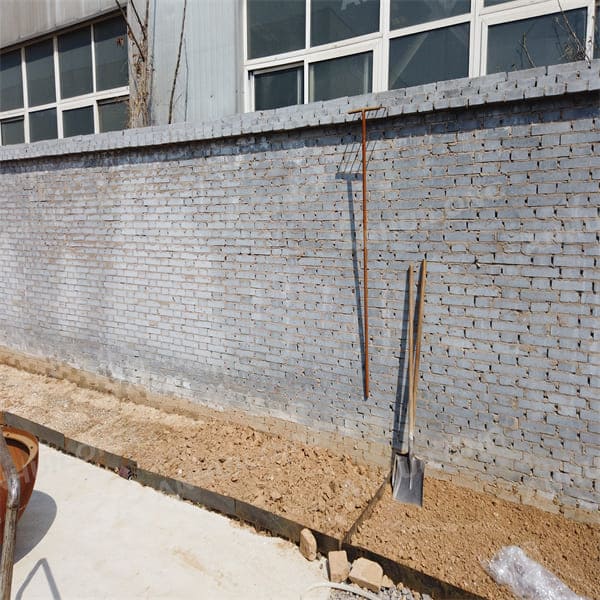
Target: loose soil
x=450 y=538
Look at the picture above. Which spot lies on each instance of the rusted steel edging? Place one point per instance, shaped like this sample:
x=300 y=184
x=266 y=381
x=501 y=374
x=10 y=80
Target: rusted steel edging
x=258 y=517
x=48 y=436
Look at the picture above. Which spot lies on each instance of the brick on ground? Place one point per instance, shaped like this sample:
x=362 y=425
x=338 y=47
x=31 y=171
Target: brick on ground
x=339 y=567
x=308 y=544
x=367 y=574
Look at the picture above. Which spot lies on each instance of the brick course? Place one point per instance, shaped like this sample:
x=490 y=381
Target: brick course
x=223 y=262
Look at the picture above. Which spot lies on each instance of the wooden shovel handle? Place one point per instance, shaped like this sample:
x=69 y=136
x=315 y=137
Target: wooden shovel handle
x=411 y=318
x=417 y=360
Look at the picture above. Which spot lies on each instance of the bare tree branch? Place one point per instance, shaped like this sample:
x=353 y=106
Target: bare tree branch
x=581 y=50
x=526 y=50
x=137 y=16
x=131 y=34
x=177 y=63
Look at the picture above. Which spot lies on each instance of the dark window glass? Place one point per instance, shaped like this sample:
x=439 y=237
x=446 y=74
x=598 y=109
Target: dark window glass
x=12 y=131
x=78 y=121
x=11 y=81
x=275 y=26
x=429 y=56
x=404 y=13
x=494 y=2
x=597 y=33
x=42 y=125
x=278 y=88
x=547 y=40
x=75 y=60
x=113 y=114
x=39 y=61
x=347 y=76
x=110 y=47
x=333 y=20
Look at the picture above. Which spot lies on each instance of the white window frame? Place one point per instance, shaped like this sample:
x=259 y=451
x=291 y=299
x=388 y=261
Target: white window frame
x=90 y=99
x=479 y=18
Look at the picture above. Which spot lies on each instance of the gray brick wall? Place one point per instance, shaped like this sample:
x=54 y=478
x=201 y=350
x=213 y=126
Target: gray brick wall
x=223 y=263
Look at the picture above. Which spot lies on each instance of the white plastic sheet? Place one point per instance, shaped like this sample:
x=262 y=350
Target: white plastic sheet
x=526 y=578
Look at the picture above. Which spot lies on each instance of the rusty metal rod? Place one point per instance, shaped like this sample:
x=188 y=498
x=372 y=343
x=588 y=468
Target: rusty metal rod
x=13 y=496
x=363 y=115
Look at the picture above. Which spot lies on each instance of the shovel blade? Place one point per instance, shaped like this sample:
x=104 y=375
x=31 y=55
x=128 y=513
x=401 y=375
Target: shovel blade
x=407 y=480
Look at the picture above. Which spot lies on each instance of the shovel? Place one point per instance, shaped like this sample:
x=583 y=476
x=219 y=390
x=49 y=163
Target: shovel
x=407 y=475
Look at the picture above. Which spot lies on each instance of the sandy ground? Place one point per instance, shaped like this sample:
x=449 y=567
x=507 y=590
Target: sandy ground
x=451 y=537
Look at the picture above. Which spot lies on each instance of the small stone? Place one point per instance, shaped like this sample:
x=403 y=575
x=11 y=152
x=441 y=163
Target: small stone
x=234 y=477
x=367 y=574
x=308 y=544
x=386 y=582
x=275 y=495
x=339 y=567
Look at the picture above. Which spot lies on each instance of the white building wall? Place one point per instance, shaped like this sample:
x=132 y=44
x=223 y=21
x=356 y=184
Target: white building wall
x=21 y=20
x=209 y=83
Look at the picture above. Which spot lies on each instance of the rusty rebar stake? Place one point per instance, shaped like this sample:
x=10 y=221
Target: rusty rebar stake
x=363 y=114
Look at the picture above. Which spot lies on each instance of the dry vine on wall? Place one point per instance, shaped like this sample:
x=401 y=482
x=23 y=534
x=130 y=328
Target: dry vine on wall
x=141 y=65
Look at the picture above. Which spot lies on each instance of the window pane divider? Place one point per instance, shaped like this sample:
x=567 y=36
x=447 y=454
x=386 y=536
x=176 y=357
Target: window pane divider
x=430 y=25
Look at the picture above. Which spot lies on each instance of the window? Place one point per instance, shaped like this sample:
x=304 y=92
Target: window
x=39 y=64
x=75 y=63
x=78 y=121
x=597 y=32
x=305 y=50
x=12 y=131
x=346 y=76
x=410 y=56
x=275 y=27
x=42 y=125
x=113 y=114
x=73 y=83
x=11 y=82
x=332 y=20
x=548 y=40
x=405 y=13
x=282 y=87
x=110 y=43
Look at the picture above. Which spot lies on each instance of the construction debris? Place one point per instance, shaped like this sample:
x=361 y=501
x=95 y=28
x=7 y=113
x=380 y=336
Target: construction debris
x=308 y=544
x=339 y=567
x=367 y=574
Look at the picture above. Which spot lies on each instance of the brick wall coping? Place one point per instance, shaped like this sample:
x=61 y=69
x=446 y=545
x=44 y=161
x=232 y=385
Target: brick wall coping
x=551 y=81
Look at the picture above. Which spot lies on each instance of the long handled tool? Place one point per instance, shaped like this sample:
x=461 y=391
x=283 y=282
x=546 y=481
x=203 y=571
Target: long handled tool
x=407 y=475
x=363 y=113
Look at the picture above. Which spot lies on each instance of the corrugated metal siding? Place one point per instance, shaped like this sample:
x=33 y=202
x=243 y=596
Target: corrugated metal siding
x=21 y=20
x=209 y=84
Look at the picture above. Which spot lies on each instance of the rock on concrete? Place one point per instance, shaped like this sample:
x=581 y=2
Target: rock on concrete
x=308 y=544
x=339 y=567
x=367 y=574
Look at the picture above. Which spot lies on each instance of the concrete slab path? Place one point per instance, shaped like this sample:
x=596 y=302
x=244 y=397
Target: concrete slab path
x=88 y=533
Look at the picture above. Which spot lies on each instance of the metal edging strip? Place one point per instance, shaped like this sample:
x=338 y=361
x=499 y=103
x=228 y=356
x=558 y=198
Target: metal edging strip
x=48 y=436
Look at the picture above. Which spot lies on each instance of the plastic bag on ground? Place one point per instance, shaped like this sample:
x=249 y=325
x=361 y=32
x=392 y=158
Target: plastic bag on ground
x=526 y=578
